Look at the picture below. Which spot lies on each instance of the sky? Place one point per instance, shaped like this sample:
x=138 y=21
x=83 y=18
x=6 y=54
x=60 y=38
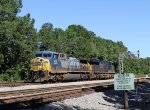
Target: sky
x=118 y=20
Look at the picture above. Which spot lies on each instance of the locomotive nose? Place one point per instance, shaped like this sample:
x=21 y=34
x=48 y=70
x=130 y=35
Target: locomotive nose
x=40 y=63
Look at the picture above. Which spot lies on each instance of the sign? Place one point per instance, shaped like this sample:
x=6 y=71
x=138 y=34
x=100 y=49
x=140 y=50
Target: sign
x=124 y=81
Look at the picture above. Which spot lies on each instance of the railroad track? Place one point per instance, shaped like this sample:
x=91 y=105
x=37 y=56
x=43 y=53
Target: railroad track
x=6 y=95
x=33 y=97
x=16 y=84
x=43 y=95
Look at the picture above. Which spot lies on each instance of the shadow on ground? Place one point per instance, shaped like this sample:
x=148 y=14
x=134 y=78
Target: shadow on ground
x=142 y=102
x=114 y=97
x=56 y=106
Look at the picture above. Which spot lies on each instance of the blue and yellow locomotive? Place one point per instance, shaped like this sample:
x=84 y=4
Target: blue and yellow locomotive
x=50 y=66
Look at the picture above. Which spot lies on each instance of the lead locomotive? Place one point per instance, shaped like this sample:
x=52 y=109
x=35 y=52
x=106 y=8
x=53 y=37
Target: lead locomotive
x=50 y=66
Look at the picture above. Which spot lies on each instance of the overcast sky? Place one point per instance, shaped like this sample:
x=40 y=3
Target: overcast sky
x=119 y=20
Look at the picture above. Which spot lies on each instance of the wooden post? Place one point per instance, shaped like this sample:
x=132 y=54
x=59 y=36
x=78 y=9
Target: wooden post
x=126 y=99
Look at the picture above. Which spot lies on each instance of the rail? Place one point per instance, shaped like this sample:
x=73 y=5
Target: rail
x=49 y=94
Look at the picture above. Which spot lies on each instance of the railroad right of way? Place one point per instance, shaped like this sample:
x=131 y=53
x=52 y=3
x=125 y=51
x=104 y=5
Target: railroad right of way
x=32 y=95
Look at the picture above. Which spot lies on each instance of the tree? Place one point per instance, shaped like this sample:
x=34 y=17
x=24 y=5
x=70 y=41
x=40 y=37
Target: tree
x=79 y=41
x=60 y=40
x=46 y=35
x=17 y=35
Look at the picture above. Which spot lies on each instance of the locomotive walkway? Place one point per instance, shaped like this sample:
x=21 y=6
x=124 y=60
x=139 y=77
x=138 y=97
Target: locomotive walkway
x=32 y=95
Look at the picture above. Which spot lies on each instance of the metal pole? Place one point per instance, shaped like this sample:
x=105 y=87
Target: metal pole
x=138 y=52
x=120 y=63
x=136 y=96
x=149 y=65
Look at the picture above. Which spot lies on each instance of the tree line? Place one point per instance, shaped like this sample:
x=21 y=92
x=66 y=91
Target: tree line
x=19 y=39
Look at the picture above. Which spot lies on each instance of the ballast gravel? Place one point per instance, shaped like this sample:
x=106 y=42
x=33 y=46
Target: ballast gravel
x=94 y=101
x=105 y=99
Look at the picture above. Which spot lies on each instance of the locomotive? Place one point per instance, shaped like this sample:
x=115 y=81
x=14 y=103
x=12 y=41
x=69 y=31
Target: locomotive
x=48 y=66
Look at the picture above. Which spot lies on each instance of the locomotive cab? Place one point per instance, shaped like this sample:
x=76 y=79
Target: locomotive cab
x=39 y=69
x=44 y=63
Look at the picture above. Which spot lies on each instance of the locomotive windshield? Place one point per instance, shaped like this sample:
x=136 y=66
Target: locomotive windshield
x=47 y=55
x=38 y=55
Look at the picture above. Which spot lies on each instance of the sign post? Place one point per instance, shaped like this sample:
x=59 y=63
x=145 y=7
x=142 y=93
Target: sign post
x=124 y=82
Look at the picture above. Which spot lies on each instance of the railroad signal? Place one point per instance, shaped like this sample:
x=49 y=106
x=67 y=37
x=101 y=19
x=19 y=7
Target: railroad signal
x=138 y=52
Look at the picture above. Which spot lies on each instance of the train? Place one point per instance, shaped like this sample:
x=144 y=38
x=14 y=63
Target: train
x=50 y=66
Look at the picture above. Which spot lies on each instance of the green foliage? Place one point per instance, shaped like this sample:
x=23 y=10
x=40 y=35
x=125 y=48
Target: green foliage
x=46 y=35
x=17 y=36
x=19 y=40
x=78 y=41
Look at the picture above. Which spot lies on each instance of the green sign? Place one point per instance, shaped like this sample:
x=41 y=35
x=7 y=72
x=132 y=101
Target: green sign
x=124 y=81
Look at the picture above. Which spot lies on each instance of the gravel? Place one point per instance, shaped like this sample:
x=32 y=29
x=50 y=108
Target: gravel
x=106 y=99
x=93 y=101
x=103 y=99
